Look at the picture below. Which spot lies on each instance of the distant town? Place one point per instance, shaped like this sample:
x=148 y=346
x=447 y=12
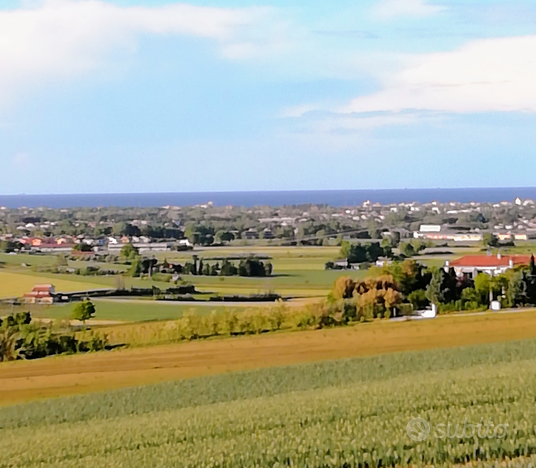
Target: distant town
x=105 y=230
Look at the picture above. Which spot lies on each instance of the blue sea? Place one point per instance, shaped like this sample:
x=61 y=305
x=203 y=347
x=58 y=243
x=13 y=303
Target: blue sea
x=275 y=198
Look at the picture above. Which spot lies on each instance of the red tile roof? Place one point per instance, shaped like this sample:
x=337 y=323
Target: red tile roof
x=488 y=261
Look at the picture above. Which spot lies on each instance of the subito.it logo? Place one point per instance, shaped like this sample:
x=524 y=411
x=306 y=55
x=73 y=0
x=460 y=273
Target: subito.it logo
x=418 y=429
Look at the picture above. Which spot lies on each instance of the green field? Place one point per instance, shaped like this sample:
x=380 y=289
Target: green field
x=333 y=414
x=130 y=310
x=15 y=284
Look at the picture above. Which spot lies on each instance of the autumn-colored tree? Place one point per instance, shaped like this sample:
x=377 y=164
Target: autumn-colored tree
x=343 y=288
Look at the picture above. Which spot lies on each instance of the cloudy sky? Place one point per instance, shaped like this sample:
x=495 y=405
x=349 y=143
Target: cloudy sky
x=216 y=95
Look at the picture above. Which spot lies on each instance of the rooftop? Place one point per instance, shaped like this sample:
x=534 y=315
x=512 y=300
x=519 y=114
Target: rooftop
x=490 y=260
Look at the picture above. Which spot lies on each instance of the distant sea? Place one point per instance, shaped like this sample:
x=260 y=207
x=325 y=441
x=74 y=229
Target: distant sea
x=275 y=198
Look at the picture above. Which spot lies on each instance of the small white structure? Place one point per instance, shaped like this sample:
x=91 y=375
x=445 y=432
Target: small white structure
x=430 y=228
x=496 y=306
x=429 y=313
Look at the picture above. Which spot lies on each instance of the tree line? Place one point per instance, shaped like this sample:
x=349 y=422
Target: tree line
x=407 y=286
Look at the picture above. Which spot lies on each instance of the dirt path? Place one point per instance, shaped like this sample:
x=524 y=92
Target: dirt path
x=67 y=375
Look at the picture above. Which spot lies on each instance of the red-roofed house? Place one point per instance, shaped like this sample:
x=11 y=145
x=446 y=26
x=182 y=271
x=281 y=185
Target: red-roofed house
x=470 y=265
x=41 y=294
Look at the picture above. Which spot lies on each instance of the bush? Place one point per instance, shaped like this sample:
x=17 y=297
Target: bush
x=20 y=339
x=418 y=299
x=162 y=277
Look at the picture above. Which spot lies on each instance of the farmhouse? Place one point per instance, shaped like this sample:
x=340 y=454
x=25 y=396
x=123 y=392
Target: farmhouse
x=471 y=265
x=41 y=294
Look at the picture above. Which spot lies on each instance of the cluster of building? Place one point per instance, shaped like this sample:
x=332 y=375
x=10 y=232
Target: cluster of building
x=67 y=244
x=447 y=233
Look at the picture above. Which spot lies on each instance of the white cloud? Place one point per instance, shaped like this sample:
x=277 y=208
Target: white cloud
x=494 y=75
x=59 y=39
x=415 y=8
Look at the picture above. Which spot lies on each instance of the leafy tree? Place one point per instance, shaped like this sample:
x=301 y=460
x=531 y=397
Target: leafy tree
x=194 y=268
x=471 y=299
x=373 y=251
x=82 y=247
x=148 y=265
x=393 y=238
x=136 y=267
x=418 y=299
x=407 y=249
x=484 y=286
x=357 y=254
x=83 y=311
x=9 y=246
x=128 y=251
x=190 y=232
x=188 y=268
x=433 y=290
x=252 y=268
x=373 y=229
x=228 y=269
x=450 y=287
x=223 y=236
x=343 y=288
x=345 y=249
x=490 y=240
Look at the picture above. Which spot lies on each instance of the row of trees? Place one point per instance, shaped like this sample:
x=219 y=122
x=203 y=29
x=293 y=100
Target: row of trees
x=372 y=251
x=360 y=253
x=249 y=267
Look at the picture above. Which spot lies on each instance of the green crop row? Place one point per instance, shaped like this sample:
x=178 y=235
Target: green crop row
x=350 y=413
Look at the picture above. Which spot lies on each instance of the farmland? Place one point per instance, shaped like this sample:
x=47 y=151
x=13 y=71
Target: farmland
x=298 y=272
x=331 y=414
x=66 y=375
x=14 y=284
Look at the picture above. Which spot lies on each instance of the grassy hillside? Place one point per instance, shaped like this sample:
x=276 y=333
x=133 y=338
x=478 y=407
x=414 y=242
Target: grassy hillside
x=334 y=414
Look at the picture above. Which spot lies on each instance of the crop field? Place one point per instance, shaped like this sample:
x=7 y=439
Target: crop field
x=27 y=259
x=346 y=413
x=67 y=375
x=16 y=284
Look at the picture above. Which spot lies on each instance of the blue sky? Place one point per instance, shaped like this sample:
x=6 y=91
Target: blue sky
x=157 y=96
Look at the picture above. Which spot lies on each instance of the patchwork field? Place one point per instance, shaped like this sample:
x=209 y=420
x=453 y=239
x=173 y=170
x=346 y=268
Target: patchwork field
x=66 y=375
x=347 y=413
x=298 y=271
